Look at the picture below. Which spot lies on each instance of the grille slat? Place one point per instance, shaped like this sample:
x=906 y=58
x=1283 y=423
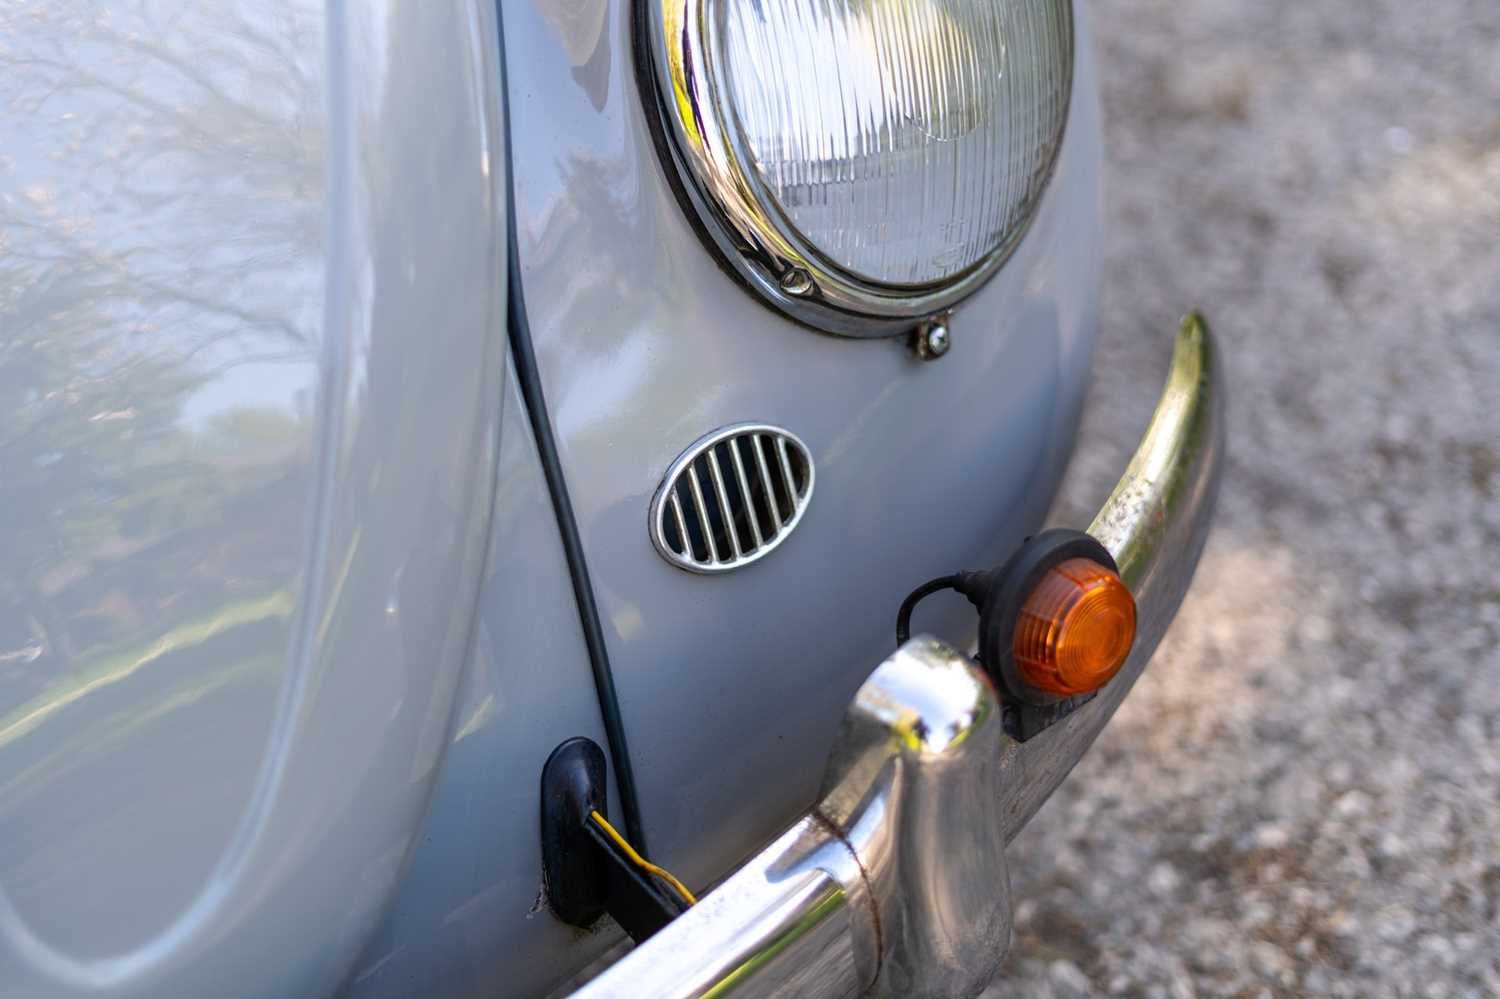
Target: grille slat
x=758 y=442
x=786 y=471
x=681 y=522
x=751 y=516
x=749 y=505
x=726 y=512
x=701 y=509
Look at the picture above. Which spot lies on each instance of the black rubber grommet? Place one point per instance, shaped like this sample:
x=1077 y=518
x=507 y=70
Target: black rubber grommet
x=573 y=785
x=1002 y=593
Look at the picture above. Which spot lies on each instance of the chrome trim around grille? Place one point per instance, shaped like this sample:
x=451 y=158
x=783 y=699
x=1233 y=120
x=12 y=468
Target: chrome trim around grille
x=895 y=882
x=731 y=498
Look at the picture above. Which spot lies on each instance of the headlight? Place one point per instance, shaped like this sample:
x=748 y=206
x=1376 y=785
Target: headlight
x=863 y=163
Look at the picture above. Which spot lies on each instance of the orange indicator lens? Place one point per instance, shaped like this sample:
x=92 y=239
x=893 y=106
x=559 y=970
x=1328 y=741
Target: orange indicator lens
x=1075 y=629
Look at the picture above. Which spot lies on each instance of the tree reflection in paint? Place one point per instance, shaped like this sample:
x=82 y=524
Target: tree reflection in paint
x=161 y=199
x=160 y=302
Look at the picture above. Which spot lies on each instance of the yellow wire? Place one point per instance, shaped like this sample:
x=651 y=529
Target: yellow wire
x=641 y=861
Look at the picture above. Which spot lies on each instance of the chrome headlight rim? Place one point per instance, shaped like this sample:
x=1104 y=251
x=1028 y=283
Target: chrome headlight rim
x=729 y=205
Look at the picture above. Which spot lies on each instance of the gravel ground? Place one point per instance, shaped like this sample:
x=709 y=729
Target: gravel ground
x=1300 y=797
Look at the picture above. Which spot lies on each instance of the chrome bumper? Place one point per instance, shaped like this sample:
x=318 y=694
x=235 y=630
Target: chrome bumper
x=896 y=881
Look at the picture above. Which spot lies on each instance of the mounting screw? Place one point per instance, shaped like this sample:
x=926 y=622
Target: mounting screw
x=931 y=340
x=796 y=281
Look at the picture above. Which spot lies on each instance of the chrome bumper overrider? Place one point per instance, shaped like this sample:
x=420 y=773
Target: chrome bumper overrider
x=896 y=881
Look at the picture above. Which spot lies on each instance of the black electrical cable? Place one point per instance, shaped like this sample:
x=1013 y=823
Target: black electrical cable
x=530 y=380
x=927 y=589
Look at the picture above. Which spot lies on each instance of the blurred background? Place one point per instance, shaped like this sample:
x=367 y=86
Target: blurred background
x=1302 y=795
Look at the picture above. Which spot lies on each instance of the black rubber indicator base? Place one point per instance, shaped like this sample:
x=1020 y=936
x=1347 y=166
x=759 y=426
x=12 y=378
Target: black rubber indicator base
x=585 y=873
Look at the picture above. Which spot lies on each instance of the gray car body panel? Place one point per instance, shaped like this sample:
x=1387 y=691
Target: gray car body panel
x=468 y=920
x=252 y=359
x=312 y=760
x=732 y=686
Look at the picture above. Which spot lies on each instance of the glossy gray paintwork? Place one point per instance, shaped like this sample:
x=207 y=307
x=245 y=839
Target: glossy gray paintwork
x=251 y=371
x=732 y=686
x=466 y=921
x=251 y=362
x=895 y=883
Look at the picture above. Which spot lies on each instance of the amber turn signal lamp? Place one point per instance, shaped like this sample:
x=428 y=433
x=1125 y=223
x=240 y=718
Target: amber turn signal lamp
x=1074 y=629
x=1055 y=621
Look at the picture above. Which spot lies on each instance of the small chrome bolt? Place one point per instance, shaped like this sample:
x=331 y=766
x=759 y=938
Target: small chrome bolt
x=932 y=340
x=796 y=281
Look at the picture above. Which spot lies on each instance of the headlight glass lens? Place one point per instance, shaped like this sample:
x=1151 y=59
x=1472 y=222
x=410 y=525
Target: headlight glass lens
x=904 y=141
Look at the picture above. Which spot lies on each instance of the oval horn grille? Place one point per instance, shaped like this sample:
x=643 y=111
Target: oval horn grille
x=731 y=498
